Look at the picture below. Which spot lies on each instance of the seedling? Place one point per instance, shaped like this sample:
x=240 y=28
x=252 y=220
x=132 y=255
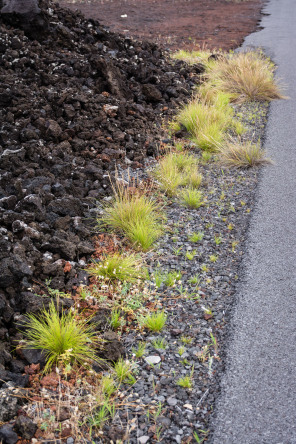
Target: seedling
x=159 y=343
x=123 y=370
x=186 y=339
x=186 y=381
x=108 y=386
x=218 y=240
x=156 y=321
x=116 y=320
x=140 y=350
x=181 y=350
x=191 y=198
x=195 y=280
x=213 y=257
x=190 y=254
x=196 y=237
x=204 y=268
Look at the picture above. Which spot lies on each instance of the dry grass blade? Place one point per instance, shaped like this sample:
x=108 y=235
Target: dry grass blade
x=246 y=76
x=238 y=154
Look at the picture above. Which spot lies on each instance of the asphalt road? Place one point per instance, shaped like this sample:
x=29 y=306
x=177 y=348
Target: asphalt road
x=258 y=399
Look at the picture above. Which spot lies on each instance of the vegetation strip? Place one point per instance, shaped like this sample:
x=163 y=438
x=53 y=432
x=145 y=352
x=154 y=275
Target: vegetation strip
x=170 y=303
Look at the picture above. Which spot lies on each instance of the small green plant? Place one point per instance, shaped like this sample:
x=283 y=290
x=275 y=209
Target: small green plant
x=214 y=343
x=196 y=237
x=134 y=215
x=168 y=175
x=206 y=156
x=123 y=370
x=171 y=278
x=108 y=386
x=186 y=381
x=203 y=354
x=186 y=340
x=63 y=338
x=156 y=321
x=195 y=280
x=204 y=268
x=116 y=320
x=181 y=350
x=159 y=343
x=191 y=198
x=99 y=418
x=190 y=255
x=218 y=240
x=117 y=266
x=213 y=257
x=177 y=251
x=140 y=350
x=193 y=179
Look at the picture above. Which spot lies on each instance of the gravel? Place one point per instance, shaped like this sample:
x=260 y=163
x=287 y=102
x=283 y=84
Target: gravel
x=198 y=314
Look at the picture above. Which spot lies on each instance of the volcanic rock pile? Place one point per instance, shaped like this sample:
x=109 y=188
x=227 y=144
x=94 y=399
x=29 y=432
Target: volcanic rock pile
x=75 y=101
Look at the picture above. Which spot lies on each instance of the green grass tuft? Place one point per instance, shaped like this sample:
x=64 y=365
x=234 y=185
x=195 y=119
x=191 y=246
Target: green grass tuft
x=117 y=266
x=63 y=338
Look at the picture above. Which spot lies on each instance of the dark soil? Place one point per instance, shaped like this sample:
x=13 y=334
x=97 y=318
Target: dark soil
x=177 y=24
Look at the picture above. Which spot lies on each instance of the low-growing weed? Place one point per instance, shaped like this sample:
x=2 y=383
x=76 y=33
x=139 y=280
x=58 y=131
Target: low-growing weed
x=191 y=198
x=159 y=343
x=118 y=266
x=156 y=321
x=190 y=255
x=196 y=237
x=140 y=350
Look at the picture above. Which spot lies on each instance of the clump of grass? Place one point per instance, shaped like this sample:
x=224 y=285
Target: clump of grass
x=196 y=237
x=233 y=154
x=123 y=370
x=156 y=321
x=98 y=419
x=186 y=381
x=206 y=123
x=168 y=176
x=191 y=198
x=116 y=320
x=246 y=76
x=108 y=386
x=63 y=338
x=160 y=344
x=136 y=216
x=140 y=350
x=193 y=179
x=192 y=57
x=118 y=266
x=174 y=170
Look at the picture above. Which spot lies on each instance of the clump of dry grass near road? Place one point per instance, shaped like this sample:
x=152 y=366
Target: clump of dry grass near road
x=239 y=154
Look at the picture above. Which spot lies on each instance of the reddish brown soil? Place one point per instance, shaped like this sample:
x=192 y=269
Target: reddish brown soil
x=177 y=23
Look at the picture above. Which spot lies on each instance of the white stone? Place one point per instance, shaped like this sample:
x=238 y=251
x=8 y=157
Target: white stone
x=152 y=360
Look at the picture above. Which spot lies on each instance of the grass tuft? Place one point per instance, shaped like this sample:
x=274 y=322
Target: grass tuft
x=174 y=170
x=191 y=198
x=118 y=266
x=136 y=216
x=63 y=338
x=246 y=76
x=206 y=122
x=155 y=321
x=234 y=154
